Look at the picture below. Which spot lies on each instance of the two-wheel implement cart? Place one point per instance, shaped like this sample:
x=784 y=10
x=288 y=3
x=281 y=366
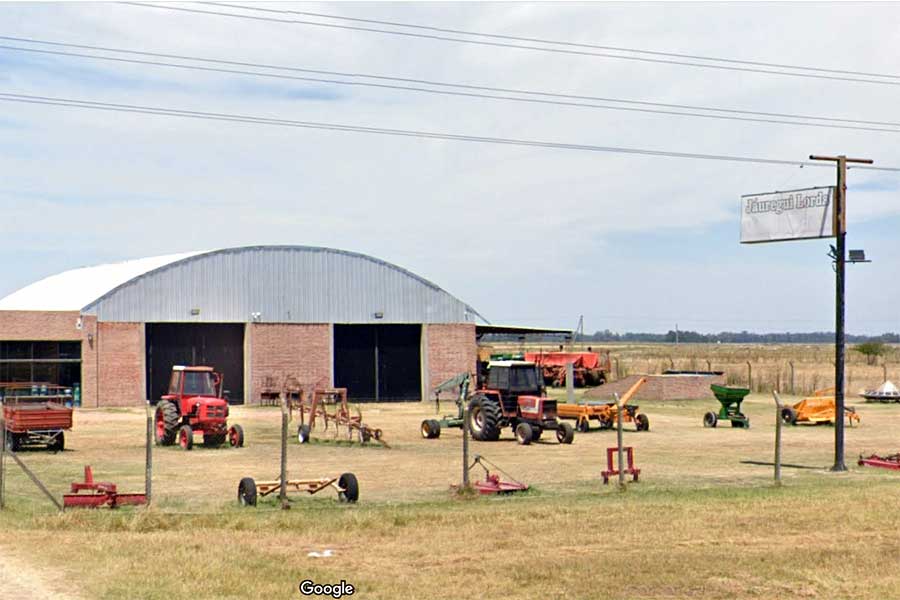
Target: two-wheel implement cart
x=730 y=399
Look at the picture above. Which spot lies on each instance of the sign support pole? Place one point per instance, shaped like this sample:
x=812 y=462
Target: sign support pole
x=840 y=231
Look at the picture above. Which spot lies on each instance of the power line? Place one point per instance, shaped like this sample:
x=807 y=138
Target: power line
x=171 y=112
x=510 y=45
x=831 y=121
x=516 y=38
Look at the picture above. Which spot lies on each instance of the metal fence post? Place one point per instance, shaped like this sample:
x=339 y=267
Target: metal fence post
x=148 y=464
x=778 y=424
x=282 y=493
x=792 y=377
x=749 y=376
x=621 y=452
x=465 y=446
x=2 y=455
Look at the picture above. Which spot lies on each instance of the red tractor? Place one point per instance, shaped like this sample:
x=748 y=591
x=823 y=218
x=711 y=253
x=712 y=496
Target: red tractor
x=195 y=403
x=512 y=396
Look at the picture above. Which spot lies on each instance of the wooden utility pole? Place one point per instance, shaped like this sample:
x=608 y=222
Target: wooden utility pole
x=840 y=231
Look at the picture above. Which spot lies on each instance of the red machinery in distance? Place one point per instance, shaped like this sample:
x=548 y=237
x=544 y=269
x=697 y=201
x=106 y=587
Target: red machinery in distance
x=195 y=403
x=590 y=368
x=105 y=493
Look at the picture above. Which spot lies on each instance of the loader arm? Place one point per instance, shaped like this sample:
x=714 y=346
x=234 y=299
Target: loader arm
x=632 y=390
x=459 y=383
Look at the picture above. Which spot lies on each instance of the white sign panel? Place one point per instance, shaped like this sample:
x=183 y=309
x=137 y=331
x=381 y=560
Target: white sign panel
x=791 y=215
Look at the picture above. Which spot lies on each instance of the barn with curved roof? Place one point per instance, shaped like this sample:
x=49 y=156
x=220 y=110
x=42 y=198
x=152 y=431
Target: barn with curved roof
x=258 y=314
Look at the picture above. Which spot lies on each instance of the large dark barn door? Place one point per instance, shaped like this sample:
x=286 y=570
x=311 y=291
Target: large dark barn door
x=217 y=345
x=380 y=363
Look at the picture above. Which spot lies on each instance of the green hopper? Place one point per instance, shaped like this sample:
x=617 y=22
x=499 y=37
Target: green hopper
x=730 y=398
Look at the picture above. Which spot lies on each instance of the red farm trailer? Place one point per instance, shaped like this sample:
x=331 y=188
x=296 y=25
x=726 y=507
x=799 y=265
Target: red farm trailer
x=590 y=368
x=36 y=415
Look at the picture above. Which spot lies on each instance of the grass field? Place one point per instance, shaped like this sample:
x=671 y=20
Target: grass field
x=701 y=522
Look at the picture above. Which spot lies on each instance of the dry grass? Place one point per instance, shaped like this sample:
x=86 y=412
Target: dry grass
x=701 y=523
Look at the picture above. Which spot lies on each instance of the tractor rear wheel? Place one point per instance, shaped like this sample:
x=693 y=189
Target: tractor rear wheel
x=166 y=423
x=524 y=433
x=59 y=443
x=789 y=415
x=710 y=419
x=565 y=433
x=642 y=422
x=484 y=418
x=303 y=433
x=236 y=436
x=347 y=482
x=247 y=492
x=186 y=437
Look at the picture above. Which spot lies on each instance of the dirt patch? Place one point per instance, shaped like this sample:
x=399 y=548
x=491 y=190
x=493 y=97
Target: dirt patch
x=661 y=387
x=18 y=579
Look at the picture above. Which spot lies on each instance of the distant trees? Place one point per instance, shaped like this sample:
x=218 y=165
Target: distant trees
x=872 y=350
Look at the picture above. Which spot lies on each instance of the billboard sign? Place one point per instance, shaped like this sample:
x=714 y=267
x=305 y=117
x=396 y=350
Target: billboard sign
x=792 y=215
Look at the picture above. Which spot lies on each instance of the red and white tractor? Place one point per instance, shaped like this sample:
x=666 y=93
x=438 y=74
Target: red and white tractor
x=195 y=403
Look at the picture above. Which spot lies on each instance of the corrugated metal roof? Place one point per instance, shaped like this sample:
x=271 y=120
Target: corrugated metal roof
x=274 y=284
x=74 y=289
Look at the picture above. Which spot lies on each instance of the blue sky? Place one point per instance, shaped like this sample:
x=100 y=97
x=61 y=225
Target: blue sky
x=525 y=235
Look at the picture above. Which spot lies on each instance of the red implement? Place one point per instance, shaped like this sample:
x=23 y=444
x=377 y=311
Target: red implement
x=883 y=462
x=493 y=485
x=105 y=494
x=611 y=470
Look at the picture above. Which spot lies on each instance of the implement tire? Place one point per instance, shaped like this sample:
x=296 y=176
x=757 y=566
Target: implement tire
x=484 y=418
x=350 y=485
x=247 y=492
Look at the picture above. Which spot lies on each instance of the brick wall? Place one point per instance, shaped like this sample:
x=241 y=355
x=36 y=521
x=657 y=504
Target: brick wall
x=450 y=350
x=278 y=350
x=25 y=325
x=120 y=370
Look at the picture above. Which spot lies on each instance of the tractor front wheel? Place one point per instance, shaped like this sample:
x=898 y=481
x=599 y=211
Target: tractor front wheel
x=710 y=419
x=166 y=423
x=524 y=433
x=186 y=437
x=247 y=492
x=236 y=436
x=484 y=418
x=565 y=433
x=349 y=488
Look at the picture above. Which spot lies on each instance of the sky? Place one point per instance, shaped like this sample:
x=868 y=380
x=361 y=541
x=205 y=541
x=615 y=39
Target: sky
x=527 y=236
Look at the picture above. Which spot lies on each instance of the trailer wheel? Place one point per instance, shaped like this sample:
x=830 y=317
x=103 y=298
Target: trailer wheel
x=236 y=436
x=789 y=415
x=186 y=437
x=12 y=442
x=347 y=482
x=247 y=492
x=710 y=419
x=166 y=423
x=583 y=425
x=565 y=433
x=303 y=433
x=524 y=433
x=642 y=422
x=59 y=443
x=484 y=418
x=431 y=429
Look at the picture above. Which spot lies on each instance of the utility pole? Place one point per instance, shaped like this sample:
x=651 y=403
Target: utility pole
x=840 y=231
x=676 y=334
